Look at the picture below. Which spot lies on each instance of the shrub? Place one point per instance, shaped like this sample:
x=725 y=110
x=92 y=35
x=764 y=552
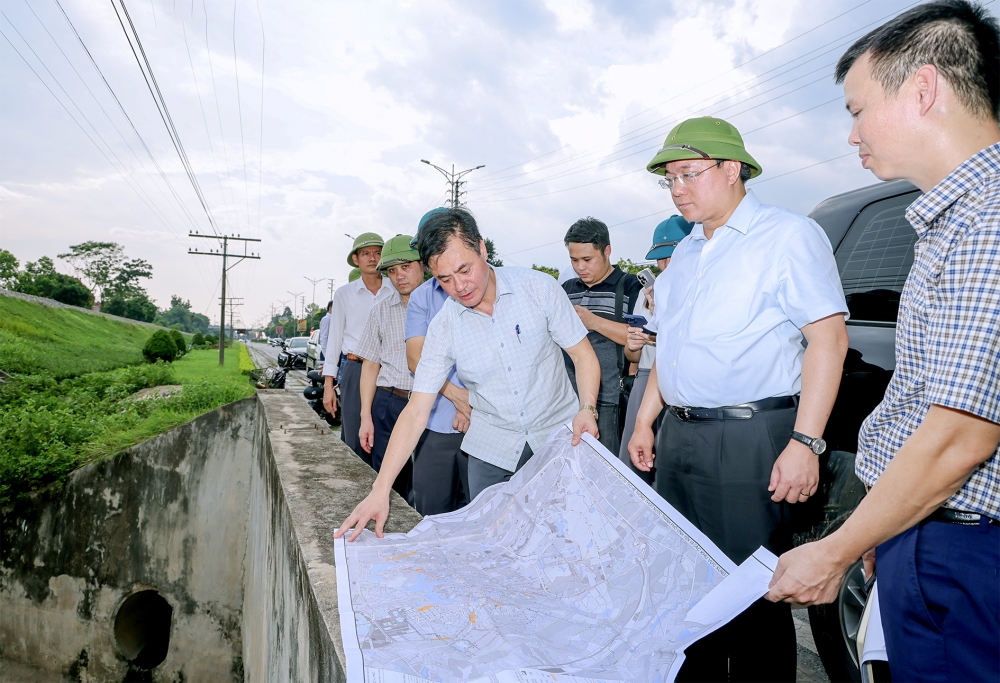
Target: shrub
x=160 y=346
x=178 y=342
x=211 y=339
x=198 y=339
x=246 y=363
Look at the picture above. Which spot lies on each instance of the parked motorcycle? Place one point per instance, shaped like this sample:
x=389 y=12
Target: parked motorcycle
x=291 y=360
x=268 y=378
x=314 y=397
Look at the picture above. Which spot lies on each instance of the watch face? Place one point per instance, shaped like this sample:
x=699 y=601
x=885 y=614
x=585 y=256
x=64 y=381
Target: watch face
x=818 y=446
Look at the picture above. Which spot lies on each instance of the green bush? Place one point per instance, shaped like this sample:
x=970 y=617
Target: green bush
x=160 y=346
x=178 y=342
x=211 y=339
x=198 y=339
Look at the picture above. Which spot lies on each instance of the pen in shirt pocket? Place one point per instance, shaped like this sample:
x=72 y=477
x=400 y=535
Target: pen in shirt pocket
x=517 y=329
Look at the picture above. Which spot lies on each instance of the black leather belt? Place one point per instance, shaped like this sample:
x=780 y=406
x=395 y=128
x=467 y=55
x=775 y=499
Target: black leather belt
x=743 y=411
x=399 y=393
x=958 y=517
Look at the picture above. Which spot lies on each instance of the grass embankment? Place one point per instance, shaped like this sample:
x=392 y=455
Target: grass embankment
x=67 y=403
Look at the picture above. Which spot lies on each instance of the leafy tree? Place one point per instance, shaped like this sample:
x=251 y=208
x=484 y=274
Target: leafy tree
x=40 y=278
x=491 y=254
x=138 y=307
x=180 y=314
x=96 y=263
x=554 y=272
x=629 y=266
x=178 y=342
x=160 y=347
x=8 y=268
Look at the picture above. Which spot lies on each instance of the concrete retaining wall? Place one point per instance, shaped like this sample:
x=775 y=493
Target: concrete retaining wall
x=230 y=517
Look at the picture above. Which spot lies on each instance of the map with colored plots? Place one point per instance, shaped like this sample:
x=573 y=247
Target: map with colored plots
x=573 y=570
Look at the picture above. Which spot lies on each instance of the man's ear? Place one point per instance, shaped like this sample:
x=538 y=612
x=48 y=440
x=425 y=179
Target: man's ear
x=607 y=253
x=926 y=79
x=354 y=257
x=482 y=249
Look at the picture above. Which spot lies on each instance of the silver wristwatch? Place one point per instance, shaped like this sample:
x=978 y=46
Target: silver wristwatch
x=816 y=444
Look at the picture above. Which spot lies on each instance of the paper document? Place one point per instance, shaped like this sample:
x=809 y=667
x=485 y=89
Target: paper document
x=574 y=570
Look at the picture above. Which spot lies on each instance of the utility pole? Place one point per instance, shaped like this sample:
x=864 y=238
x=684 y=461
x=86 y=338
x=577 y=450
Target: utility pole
x=225 y=254
x=232 y=302
x=319 y=279
x=332 y=280
x=455 y=182
x=295 y=300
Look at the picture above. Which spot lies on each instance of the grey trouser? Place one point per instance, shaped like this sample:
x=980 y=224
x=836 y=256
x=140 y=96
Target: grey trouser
x=440 y=473
x=350 y=407
x=634 y=401
x=716 y=474
x=482 y=474
x=607 y=425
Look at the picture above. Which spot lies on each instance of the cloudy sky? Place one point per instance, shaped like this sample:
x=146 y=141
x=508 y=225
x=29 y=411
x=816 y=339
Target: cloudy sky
x=304 y=122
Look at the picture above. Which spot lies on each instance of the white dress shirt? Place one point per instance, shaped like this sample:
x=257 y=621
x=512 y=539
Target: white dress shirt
x=729 y=310
x=511 y=362
x=324 y=331
x=351 y=305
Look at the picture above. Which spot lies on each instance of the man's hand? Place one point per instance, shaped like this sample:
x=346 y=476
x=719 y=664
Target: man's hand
x=460 y=423
x=809 y=575
x=367 y=433
x=375 y=506
x=648 y=293
x=459 y=396
x=586 y=317
x=795 y=475
x=640 y=449
x=330 y=396
x=584 y=422
x=637 y=339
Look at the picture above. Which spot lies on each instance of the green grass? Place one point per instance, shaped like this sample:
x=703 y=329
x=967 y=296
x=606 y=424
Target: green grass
x=50 y=427
x=61 y=343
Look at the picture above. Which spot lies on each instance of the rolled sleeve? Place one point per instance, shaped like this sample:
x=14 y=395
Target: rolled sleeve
x=417 y=314
x=335 y=338
x=370 y=345
x=963 y=331
x=809 y=287
x=564 y=324
x=436 y=359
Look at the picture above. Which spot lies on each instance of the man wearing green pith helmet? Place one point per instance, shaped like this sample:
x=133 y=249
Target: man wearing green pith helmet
x=746 y=403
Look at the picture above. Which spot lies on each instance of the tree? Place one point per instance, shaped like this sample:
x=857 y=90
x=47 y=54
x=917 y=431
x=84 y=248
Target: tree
x=160 y=346
x=197 y=340
x=491 y=254
x=178 y=342
x=629 y=266
x=96 y=263
x=8 y=268
x=40 y=278
x=180 y=314
x=554 y=272
x=138 y=307
x=114 y=278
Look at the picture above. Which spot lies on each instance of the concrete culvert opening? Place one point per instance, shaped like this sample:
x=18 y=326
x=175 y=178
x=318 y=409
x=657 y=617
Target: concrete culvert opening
x=142 y=629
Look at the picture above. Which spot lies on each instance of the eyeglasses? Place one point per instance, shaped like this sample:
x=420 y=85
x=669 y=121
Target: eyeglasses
x=667 y=182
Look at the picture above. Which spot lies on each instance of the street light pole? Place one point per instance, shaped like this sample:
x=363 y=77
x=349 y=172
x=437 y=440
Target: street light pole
x=455 y=182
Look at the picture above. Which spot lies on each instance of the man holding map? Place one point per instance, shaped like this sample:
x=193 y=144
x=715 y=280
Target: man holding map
x=503 y=331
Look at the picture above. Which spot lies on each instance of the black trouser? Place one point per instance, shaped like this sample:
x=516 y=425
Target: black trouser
x=349 y=379
x=716 y=474
x=440 y=473
x=386 y=408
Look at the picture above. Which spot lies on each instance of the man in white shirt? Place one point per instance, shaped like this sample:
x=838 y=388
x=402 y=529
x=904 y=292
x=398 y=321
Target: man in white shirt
x=324 y=332
x=503 y=332
x=746 y=403
x=351 y=306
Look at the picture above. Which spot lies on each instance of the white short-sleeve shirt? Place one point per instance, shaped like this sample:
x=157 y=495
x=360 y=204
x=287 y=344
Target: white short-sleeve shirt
x=729 y=310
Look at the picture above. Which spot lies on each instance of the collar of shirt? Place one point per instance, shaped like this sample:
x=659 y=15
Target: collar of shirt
x=741 y=220
x=927 y=209
x=502 y=286
x=358 y=287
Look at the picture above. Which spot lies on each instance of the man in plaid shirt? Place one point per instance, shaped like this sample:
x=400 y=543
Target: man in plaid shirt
x=923 y=91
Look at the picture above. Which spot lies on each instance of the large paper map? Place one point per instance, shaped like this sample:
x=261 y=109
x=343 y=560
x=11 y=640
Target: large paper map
x=572 y=570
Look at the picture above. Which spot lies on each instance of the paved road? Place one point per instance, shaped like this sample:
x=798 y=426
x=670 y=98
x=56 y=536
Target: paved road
x=810 y=669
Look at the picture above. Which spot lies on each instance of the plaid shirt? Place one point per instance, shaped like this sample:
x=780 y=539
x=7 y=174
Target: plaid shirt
x=383 y=342
x=948 y=332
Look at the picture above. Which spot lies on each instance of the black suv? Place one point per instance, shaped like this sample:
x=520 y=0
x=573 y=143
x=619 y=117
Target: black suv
x=873 y=243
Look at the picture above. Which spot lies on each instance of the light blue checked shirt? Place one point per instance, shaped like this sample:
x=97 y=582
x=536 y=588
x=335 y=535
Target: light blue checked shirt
x=948 y=331
x=511 y=363
x=425 y=303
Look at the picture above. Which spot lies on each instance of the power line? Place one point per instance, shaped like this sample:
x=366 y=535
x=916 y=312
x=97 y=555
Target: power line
x=161 y=106
x=239 y=107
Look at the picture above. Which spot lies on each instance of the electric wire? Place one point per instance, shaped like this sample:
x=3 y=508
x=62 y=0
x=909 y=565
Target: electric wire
x=161 y=106
x=218 y=111
x=239 y=106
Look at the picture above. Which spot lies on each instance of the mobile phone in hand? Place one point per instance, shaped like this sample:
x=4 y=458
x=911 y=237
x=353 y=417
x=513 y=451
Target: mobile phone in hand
x=637 y=321
x=645 y=277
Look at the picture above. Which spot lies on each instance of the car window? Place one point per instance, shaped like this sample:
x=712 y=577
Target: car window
x=875 y=258
x=299 y=341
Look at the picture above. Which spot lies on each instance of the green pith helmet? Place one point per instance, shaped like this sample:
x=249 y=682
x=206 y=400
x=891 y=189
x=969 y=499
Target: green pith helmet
x=702 y=138
x=355 y=274
x=365 y=239
x=424 y=219
x=397 y=250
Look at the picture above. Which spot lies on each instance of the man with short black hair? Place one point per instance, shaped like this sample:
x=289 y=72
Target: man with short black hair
x=601 y=293
x=324 y=333
x=502 y=331
x=924 y=91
